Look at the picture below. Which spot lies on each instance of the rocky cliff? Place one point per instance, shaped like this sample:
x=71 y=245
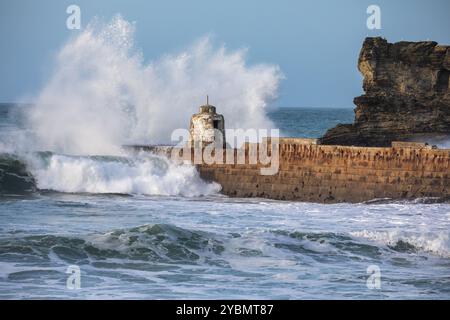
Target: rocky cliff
x=407 y=95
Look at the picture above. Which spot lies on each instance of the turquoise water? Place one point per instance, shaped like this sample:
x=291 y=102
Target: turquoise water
x=140 y=227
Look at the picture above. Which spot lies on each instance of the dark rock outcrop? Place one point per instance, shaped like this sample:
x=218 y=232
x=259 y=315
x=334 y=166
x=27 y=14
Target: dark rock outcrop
x=407 y=95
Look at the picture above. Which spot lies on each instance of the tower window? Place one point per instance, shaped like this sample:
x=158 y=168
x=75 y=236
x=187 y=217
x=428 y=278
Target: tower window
x=216 y=124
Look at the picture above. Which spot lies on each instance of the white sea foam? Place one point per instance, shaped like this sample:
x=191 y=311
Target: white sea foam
x=102 y=94
x=148 y=175
x=437 y=242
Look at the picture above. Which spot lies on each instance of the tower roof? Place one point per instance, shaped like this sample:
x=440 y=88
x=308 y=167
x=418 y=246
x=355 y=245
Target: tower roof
x=207 y=108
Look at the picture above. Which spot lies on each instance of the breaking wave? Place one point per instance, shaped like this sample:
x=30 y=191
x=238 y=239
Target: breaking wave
x=435 y=243
x=157 y=243
x=102 y=95
x=137 y=174
x=14 y=176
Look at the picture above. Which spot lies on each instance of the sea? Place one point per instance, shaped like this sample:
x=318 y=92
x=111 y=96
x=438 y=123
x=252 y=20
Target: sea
x=140 y=227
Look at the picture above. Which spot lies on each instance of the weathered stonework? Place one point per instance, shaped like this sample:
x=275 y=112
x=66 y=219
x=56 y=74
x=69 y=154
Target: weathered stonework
x=327 y=174
x=407 y=95
x=287 y=140
x=207 y=127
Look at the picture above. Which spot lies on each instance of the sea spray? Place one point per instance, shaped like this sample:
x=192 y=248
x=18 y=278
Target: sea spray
x=102 y=94
x=137 y=174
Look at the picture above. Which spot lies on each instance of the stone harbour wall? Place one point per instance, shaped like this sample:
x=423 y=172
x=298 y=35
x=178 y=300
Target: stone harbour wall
x=327 y=174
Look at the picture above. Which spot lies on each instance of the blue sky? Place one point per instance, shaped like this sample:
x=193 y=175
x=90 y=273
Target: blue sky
x=316 y=43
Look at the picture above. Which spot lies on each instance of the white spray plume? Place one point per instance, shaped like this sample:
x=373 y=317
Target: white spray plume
x=102 y=95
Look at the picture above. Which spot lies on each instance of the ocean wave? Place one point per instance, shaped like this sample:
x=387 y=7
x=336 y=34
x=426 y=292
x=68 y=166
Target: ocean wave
x=169 y=244
x=437 y=243
x=158 y=243
x=163 y=247
x=15 y=179
x=324 y=243
x=137 y=174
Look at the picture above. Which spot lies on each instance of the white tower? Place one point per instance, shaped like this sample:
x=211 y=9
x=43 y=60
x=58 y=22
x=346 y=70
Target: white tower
x=207 y=127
